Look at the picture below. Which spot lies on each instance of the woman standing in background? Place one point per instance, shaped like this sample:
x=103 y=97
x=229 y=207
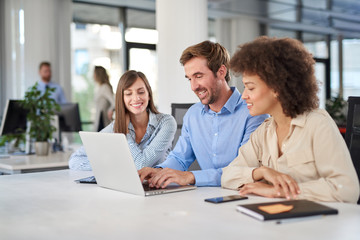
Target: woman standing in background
x=104 y=99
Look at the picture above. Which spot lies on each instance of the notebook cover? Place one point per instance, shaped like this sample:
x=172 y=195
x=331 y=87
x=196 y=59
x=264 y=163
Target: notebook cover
x=302 y=208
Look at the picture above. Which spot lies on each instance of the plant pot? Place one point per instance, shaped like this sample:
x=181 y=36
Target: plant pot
x=42 y=148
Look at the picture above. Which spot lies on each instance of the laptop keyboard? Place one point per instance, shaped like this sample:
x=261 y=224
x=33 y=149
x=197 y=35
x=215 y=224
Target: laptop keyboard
x=148 y=188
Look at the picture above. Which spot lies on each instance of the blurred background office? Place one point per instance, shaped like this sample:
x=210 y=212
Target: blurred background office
x=149 y=36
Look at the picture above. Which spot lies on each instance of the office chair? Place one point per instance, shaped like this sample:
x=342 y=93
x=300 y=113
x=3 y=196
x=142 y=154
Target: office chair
x=178 y=111
x=352 y=136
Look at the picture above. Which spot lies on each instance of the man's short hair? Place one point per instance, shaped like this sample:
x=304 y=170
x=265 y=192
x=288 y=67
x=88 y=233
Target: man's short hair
x=215 y=54
x=44 y=63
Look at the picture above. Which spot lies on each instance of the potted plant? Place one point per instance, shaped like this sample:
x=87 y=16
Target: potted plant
x=337 y=108
x=41 y=109
x=15 y=142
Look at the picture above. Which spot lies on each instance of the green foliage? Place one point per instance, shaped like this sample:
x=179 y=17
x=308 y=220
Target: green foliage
x=337 y=108
x=85 y=98
x=18 y=138
x=41 y=111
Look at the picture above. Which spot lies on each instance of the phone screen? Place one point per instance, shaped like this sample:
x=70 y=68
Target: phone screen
x=226 y=199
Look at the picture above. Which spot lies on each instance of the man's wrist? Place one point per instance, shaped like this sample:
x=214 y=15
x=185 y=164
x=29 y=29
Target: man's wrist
x=192 y=180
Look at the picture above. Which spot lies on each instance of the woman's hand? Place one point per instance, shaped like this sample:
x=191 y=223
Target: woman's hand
x=261 y=189
x=282 y=183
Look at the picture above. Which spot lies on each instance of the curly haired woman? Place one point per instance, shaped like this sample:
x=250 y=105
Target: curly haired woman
x=298 y=152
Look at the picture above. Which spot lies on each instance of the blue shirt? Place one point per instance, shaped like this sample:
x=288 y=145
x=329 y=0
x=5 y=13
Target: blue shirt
x=58 y=95
x=213 y=139
x=152 y=149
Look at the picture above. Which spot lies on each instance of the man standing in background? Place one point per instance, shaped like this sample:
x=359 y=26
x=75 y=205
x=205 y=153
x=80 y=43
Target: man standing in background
x=45 y=82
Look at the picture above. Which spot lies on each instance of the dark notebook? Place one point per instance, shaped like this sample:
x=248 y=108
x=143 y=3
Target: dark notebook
x=285 y=209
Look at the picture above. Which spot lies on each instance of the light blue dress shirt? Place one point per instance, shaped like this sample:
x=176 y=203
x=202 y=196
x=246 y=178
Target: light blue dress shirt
x=58 y=95
x=152 y=149
x=213 y=139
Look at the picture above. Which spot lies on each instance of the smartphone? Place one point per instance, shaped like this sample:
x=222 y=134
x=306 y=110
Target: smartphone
x=226 y=199
x=90 y=180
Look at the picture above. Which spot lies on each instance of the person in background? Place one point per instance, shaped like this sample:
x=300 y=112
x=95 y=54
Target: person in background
x=299 y=151
x=45 y=82
x=148 y=132
x=104 y=99
x=213 y=129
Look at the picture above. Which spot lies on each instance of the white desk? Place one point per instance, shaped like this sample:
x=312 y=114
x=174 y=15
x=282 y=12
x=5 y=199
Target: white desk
x=49 y=205
x=32 y=163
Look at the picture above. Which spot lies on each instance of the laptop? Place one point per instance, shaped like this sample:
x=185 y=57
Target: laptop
x=113 y=165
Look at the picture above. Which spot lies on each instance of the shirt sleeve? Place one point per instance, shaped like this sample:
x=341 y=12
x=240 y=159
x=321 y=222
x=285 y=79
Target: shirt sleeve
x=208 y=177
x=62 y=98
x=252 y=124
x=156 y=151
x=182 y=156
x=79 y=160
x=239 y=171
x=337 y=177
x=109 y=96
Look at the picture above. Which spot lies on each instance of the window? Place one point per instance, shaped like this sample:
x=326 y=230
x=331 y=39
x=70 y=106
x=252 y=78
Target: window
x=94 y=45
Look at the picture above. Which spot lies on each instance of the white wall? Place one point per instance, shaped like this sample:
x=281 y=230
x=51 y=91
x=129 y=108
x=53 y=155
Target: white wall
x=45 y=37
x=232 y=32
x=180 y=24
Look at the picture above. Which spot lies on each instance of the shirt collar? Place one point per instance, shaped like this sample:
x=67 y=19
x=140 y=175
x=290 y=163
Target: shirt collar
x=153 y=121
x=300 y=120
x=231 y=103
x=43 y=84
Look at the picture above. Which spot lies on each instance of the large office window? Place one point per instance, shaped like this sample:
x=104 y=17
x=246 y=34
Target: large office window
x=115 y=38
x=141 y=39
x=351 y=68
x=96 y=40
x=142 y=54
x=93 y=45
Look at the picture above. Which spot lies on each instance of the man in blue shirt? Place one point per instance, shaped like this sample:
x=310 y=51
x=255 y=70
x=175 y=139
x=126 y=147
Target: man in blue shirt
x=213 y=129
x=45 y=74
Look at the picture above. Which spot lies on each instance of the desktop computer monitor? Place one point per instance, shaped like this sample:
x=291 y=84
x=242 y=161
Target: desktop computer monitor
x=14 y=118
x=69 y=117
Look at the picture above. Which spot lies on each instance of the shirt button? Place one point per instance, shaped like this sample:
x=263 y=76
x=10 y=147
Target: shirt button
x=215 y=134
x=214 y=154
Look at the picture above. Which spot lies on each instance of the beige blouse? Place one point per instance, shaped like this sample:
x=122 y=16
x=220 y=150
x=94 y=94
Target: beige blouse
x=104 y=101
x=314 y=154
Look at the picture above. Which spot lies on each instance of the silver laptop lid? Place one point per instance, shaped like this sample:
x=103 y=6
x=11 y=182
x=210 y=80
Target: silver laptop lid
x=112 y=162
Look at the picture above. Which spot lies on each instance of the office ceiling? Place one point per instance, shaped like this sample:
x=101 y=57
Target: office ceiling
x=312 y=16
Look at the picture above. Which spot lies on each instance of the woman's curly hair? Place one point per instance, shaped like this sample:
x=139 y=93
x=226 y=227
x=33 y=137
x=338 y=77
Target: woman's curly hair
x=285 y=66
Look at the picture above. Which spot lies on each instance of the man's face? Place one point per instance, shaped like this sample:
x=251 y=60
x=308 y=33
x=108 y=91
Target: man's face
x=203 y=82
x=45 y=73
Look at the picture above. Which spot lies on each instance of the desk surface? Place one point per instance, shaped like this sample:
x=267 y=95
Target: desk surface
x=49 y=205
x=23 y=163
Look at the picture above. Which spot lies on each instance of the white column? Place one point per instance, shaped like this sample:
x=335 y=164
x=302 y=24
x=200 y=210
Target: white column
x=180 y=24
x=37 y=30
x=232 y=32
